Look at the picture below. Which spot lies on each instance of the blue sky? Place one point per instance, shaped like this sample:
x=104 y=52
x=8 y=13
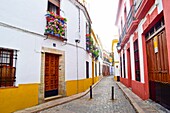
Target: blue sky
x=103 y=15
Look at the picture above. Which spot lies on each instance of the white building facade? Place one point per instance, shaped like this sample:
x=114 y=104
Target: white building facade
x=41 y=66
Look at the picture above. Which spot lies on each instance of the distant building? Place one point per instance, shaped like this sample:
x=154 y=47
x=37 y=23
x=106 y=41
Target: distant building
x=94 y=48
x=107 y=65
x=115 y=61
x=144 y=41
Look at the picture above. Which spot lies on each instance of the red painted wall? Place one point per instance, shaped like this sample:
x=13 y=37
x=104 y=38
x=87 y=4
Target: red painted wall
x=139 y=89
x=124 y=81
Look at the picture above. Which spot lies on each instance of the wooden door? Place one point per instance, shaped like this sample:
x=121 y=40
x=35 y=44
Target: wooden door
x=157 y=61
x=129 y=68
x=51 y=74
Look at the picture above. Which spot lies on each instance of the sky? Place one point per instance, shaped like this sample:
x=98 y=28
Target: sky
x=103 y=16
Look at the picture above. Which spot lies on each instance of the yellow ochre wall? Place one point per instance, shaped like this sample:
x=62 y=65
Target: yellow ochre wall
x=83 y=85
x=23 y=96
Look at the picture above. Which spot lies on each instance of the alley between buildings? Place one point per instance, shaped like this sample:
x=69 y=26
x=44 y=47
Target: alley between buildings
x=100 y=103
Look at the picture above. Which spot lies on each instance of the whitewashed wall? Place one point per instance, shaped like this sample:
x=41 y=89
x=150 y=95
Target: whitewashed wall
x=26 y=14
x=28 y=55
x=132 y=57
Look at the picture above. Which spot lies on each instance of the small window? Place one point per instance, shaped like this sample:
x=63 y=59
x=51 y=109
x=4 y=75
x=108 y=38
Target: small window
x=158 y=26
x=147 y=35
x=53 y=8
x=87 y=29
x=95 y=69
x=124 y=65
x=155 y=28
x=121 y=66
x=8 y=59
x=99 y=69
x=87 y=69
x=152 y=31
x=136 y=58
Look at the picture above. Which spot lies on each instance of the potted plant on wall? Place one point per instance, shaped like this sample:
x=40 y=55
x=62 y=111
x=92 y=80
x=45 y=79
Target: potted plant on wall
x=56 y=25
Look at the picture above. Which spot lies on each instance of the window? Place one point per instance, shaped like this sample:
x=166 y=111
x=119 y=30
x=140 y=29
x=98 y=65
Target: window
x=125 y=14
x=137 y=4
x=136 y=57
x=160 y=24
x=121 y=66
x=95 y=69
x=87 y=69
x=99 y=69
x=53 y=6
x=124 y=65
x=87 y=29
x=8 y=59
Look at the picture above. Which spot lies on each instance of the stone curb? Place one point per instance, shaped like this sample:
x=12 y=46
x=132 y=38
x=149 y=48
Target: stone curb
x=132 y=101
x=56 y=102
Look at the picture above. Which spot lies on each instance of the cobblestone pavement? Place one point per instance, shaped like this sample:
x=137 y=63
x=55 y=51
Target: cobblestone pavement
x=100 y=103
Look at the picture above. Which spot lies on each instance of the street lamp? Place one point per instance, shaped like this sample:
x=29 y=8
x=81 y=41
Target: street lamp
x=118 y=47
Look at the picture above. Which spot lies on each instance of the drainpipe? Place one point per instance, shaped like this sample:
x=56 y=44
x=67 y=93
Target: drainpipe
x=78 y=41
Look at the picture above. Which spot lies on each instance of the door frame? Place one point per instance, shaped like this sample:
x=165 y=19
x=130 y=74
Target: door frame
x=129 y=68
x=61 y=80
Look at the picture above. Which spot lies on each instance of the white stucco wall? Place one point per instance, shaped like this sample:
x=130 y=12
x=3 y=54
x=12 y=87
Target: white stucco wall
x=28 y=55
x=140 y=45
x=132 y=57
x=126 y=65
x=25 y=14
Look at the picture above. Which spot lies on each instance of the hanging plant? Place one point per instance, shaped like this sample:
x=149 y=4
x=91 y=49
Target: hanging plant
x=56 y=25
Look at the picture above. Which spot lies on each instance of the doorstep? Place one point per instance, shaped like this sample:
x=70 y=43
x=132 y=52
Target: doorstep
x=52 y=98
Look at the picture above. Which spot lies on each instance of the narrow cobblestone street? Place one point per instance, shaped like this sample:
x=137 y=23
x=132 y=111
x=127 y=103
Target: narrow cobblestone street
x=101 y=102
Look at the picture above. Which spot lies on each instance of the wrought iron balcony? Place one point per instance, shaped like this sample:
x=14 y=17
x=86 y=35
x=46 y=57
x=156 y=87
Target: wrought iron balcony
x=130 y=16
x=137 y=4
x=123 y=33
x=128 y=25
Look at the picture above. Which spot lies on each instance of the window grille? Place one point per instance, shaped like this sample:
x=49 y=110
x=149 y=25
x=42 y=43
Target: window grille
x=124 y=65
x=8 y=60
x=95 y=69
x=87 y=69
x=136 y=57
x=121 y=67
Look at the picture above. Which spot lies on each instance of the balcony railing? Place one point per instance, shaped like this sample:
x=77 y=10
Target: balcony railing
x=130 y=16
x=56 y=26
x=123 y=33
x=91 y=48
x=137 y=4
